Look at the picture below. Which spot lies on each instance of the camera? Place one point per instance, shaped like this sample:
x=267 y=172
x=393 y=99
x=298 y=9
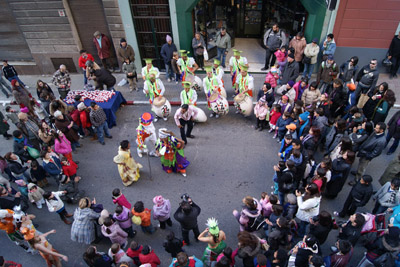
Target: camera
x=185 y=197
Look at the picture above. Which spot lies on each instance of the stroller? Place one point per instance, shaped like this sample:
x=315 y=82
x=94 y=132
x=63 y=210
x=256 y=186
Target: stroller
x=375 y=225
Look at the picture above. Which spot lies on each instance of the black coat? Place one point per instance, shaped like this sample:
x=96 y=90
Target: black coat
x=361 y=193
x=290 y=73
x=174 y=246
x=269 y=97
x=104 y=77
x=338 y=97
x=373 y=146
x=340 y=172
x=350 y=233
x=321 y=232
x=393 y=128
x=188 y=221
x=285 y=177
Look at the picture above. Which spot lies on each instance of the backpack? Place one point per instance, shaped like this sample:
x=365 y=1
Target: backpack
x=255 y=224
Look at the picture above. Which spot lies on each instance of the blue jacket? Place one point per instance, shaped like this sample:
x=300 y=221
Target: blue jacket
x=351 y=100
x=281 y=124
x=285 y=152
x=167 y=51
x=395 y=216
x=53 y=168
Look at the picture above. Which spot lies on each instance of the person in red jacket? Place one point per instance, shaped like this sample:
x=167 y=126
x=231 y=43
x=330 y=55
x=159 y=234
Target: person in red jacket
x=134 y=251
x=85 y=56
x=103 y=46
x=148 y=256
x=84 y=120
x=69 y=167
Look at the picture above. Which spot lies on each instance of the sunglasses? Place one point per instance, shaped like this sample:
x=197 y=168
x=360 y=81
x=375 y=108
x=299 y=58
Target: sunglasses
x=372 y=63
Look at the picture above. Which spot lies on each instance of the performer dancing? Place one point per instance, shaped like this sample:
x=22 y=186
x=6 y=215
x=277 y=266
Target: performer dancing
x=128 y=168
x=146 y=135
x=235 y=63
x=154 y=87
x=211 y=85
x=149 y=68
x=170 y=150
x=186 y=65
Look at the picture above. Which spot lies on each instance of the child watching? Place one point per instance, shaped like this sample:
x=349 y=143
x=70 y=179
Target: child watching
x=133 y=252
x=118 y=255
x=38 y=174
x=162 y=211
x=272 y=77
x=12 y=115
x=175 y=57
x=281 y=58
x=267 y=206
x=55 y=204
x=145 y=216
x=283 y=120
x=172 y=244
x=35 y=195
x=123 y=216
x=120 y=199
x=129 y=69
x=273 y=118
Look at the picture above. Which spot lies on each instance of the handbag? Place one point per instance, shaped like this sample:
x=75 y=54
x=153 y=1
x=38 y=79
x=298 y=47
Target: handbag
x=205 y=54
x=363 y=99
x=306 y=60
x=33 y=152
x=386 y=62
x=136 y=220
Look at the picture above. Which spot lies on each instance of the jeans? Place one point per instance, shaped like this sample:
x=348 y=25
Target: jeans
x=4 y=86
x=302 y=227
x=360 y=89
x=62 y=213
x=168 y=71
x=177 y=77
x=24 y=176
x=84 y=78
x=74 y=145
x=221 y=54
x=148 y=229
x=395 y=65
x=268 y=55
x=16 y=78
x=100 y=129
x=281 y=198
x=189 y=124
x=185 y=234
x=379 y=208
x=308 y=70
x=394 y=145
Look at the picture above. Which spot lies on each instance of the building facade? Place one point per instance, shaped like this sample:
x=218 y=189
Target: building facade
x=36 y=36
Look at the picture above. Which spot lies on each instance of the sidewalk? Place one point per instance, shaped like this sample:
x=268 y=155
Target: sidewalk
x=172 y=90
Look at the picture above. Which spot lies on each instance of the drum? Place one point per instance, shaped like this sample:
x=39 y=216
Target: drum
x=223 y=92
x=244 y=104
x=197 y=83
x=161 y=107
x=219 y=104
x=201 y=116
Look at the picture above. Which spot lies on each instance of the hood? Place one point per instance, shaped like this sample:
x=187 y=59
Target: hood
x=81 y=214
x=30 y=185
x=388 y=247
x=124 y=214
x=253 y=213
x=249 y=251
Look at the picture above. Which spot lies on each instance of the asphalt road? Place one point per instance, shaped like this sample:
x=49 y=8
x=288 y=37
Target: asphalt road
x=229 y=160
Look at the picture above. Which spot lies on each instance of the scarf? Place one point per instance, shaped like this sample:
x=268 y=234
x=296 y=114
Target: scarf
x=19 y=140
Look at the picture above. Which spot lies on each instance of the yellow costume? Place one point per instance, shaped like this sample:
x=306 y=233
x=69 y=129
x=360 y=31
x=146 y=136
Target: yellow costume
x=128 y=168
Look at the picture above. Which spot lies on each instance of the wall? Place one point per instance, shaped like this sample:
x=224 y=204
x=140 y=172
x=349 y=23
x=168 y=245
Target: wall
x=315 y=20
x=184 y=10
x=366 y=23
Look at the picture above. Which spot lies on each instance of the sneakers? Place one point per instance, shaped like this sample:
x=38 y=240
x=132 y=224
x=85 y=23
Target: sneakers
x=131 y=89
x=26 y=86
x=211 y=115
x=264 y=69
x=165 y=118
x=275 y=136
x=183 y=174
x=271 y=130
x=176 y=82
x=169 y=80
x=155 y=118
x=237 y=112
x=335 y=213
x=139 y=153
x=109 y=136
x=217 y=116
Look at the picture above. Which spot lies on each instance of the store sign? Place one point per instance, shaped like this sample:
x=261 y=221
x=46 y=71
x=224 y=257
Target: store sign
x=331 y=4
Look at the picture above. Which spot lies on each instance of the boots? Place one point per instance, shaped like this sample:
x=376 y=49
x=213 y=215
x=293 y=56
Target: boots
x=69 y=215
x=66 y=221
x=94 y=138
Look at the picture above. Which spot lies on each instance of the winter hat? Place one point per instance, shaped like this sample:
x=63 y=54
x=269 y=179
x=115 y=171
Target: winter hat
x=168 y=38
x=13 y=82
x=351 y=86
x=367 y=178
x=212 y=225
x=304 y=116
x=146 y=249
x=24 y=110
x=330 y=57
x=274 y=70
x=96 y=33
x=158 y=200
x=285 y=97
x=123 y=40
x=103 y=215
x=291 y=126
x=81 y=106
x=262 y=99
x=57 y=113
x=290 y=83
x=315 y=40
x=291 y=55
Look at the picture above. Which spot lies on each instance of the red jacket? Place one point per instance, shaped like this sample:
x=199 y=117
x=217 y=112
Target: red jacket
x=84 y=119
x=150 y=258
x=75 y=117
x=70 y=169
x=104 y=51
x=274 y=116
x=82 y=61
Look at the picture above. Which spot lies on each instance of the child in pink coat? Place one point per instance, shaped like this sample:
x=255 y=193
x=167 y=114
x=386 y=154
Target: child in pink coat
x=261 y=110
x=120 y=199
x=272 y=77
x=281 y=58
x=62 y=145
x=113 y=231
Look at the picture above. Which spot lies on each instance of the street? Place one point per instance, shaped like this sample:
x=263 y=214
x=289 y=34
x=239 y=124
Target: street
x=229 y=160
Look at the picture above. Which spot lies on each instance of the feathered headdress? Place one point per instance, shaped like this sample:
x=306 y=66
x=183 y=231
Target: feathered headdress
x=212 y=225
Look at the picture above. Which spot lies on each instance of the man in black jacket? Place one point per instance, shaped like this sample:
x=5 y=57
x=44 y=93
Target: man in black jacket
x=394 y=56
x=367 y=78
x=291 y=71
x=358 y=196
x=338 y=97
x=370 y=149
x=9 y=201
x=186 y=215
x=103 y=77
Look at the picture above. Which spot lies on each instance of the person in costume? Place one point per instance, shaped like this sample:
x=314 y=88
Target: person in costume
x=244 y=84
x=215 y=239
x=149 y=68
x=153 y=87
x=188 y=95
x=235 y=64
x=46 y=250
x=217 y=69
x=7 y=224
x=170 y=150
x=211 y=85
x=186 y=65
x=146 y=135
x=128 y=168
